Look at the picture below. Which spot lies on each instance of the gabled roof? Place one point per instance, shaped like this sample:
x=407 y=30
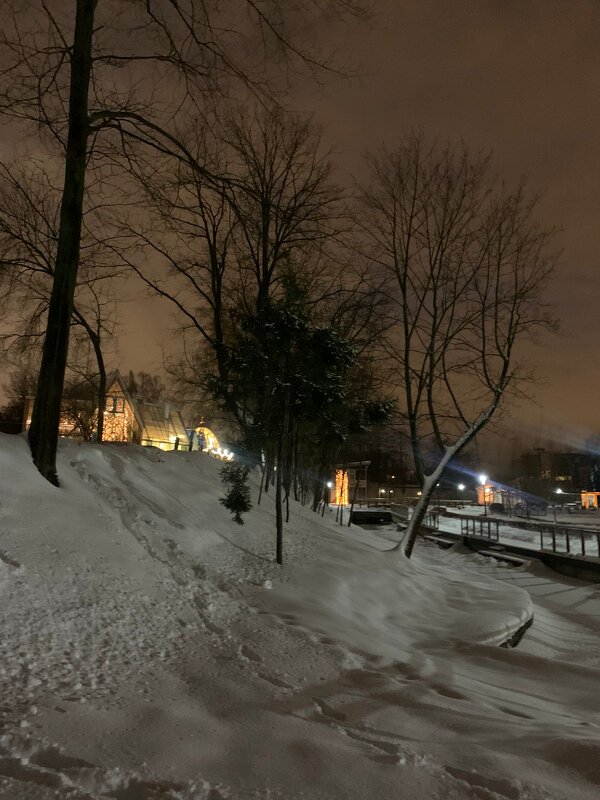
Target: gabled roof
x=161 y=422
x=158 y=422
x=113 y=378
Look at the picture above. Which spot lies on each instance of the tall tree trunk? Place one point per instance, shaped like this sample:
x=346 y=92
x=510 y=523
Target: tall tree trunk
x=281 y=465
x=101 y=395
x=94 y=336
x=295 y=465
x=288 y=458
x=262 y=483
x=354 y=493
x=43 y=433
x=430 y=481
x=316 y=494
x=414 y=525
x=278 y=508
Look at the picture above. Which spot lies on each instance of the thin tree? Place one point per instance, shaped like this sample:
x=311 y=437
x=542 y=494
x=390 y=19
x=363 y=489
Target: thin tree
x=29 y=223
x=176 y=39
x=221 y=247
x=464 y=264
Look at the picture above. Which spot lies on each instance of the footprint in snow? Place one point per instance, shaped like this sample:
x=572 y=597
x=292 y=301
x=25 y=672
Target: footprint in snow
x=327 y=711
x=273 y=679
x=8 y=560
x=498 y=787
x=248 y=653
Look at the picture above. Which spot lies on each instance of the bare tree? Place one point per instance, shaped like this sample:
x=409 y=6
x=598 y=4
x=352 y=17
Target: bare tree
x=221 y=247
x=81 y=80
x=19 y=386
x=29 y=221
x=150 y=387
x=81 y=412
x=464 y=265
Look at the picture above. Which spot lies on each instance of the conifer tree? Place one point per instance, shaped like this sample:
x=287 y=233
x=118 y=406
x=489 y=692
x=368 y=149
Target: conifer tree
x=237 y=498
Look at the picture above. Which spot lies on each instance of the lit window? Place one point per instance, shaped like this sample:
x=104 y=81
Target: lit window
x=115 y=405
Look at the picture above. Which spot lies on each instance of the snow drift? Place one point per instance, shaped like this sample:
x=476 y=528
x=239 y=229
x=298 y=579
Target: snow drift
x=152 y=649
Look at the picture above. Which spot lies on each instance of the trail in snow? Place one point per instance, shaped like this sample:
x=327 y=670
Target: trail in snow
x=144 y=656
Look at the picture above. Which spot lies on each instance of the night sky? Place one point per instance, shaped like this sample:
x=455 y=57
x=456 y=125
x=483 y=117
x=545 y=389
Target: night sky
x=521 y=78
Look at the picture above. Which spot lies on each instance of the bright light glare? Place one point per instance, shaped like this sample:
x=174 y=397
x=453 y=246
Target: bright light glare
x=559 y=490
x=461 y=487
x=329 y=484
x=483 y=479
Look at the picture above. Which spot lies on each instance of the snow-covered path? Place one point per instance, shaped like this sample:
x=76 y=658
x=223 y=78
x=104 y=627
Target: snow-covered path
x=150 y=649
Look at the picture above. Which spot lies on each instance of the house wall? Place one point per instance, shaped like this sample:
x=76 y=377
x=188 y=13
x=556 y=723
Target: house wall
x=119 y=420
x=589 y=499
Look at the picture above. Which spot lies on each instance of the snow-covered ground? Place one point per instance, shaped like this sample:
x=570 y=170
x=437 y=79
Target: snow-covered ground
x=151 y=649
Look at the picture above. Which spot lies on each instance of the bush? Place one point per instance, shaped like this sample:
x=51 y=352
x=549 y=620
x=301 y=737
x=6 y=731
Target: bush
x=237 y=498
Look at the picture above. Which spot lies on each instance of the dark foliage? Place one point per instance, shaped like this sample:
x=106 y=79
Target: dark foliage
x=237 y=498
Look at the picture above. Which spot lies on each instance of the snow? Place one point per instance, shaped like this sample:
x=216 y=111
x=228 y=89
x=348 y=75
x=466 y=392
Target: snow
x=150 y=648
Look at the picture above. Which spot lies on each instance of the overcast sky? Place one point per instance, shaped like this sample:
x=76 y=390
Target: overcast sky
x=520 y=77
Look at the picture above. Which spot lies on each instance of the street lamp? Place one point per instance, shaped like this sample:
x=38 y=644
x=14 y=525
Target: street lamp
x=483 y=481
x=556 y=491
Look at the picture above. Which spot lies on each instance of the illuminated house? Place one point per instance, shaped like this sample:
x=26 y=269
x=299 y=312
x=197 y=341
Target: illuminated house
x=121 y=424
x=350 y=481
x=161 y=426
x=488 y=494
x=590 y=499
x=126 y=419
x=207 y=440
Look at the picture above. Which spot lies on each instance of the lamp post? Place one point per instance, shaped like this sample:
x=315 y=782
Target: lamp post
x=483 y=482
x=556 y=491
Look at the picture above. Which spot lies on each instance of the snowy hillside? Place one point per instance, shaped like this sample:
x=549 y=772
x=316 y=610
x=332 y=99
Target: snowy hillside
x=150 y=648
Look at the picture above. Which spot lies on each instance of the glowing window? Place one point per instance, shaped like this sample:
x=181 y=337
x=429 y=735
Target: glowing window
x=115 y=405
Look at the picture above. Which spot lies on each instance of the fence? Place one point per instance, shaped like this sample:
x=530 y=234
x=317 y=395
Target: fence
x=574 y=541
x=484 y=527
x=560 y=539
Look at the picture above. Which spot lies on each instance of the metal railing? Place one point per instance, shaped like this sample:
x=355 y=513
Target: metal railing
x=484 y=527
x=432 y=520
x=572 y=541
x=559 y=539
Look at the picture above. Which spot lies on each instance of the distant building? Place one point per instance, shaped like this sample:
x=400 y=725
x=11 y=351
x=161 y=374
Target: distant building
x=590 y=500
x=544 y=470
x=126 y=419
